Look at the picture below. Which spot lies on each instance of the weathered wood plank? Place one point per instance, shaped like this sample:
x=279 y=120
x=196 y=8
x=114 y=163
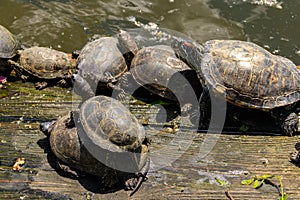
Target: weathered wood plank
x=233 y=158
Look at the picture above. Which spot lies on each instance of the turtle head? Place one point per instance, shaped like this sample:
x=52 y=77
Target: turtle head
x=46 y=127
x=188 y=52
x=127 y=46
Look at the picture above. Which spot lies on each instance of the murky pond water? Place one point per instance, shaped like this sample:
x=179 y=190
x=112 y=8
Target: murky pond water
x=69 y=24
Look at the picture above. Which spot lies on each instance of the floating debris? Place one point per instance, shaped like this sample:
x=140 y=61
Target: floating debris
x=153 y=29
x=269 y=3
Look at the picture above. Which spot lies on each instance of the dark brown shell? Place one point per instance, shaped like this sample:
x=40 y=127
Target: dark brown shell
x=247 y=74
x=110 y=125
x=156 y=68
x=44 y=63
x=68 y=147
x=8 y=43
x=101 y=62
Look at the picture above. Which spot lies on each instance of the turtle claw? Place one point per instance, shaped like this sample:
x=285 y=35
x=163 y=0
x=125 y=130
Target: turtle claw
x=41 y=85
x=62 y=83
x=135 y=183
x=23 y=77
x=288 y=122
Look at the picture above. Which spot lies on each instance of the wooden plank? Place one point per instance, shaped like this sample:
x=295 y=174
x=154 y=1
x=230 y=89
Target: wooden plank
x=233 y=158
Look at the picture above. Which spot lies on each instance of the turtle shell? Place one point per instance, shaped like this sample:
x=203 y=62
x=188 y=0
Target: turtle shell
x=44 y=63
x=158 y=69
x=101 y=62
x=110 y=125
x=68 y=147
x=246 y=73
x=8 y=43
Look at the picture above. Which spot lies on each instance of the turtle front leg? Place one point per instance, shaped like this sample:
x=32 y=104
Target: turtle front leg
x=287 y=120
x=122 y=90
x=17 y=68
x=41 y=85
x=82 y=87
x=120 y=93
x=65 y=169
x=202 y=117
x=66 y=81
x=62 y=83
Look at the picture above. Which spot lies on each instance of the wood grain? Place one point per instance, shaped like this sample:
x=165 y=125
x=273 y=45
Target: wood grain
x=233 y=157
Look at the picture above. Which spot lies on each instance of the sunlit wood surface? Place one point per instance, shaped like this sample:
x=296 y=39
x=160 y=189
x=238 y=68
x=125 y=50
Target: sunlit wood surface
x=233 y=158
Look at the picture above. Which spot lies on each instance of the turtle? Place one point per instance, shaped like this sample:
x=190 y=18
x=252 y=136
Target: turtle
x=246 y=75
x=45 y=65
x=99 y=65
x=157 y=69
x=115 y=135
x=76 y=160
x=8 y=47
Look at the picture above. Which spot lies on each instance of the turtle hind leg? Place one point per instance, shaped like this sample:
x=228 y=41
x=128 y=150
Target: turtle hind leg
x=41 y=85
x=144 y=165
x=288 y=121
x=17 y=68
x=65 y=170
x=290 y=124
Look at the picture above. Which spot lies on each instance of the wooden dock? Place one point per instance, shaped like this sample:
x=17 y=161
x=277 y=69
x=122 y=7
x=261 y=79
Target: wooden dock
x=182 y=166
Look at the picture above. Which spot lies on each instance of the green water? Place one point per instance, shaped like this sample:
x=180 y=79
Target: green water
x=69 y=24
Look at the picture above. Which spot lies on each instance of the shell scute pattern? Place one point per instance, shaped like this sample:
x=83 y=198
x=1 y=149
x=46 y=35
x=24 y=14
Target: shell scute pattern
x=101 y=61
x=76 y=160
x=251 y=76
x=247 y=76
x=154 y=66
x=8 y=43
x=46 y=63
x=107 y=121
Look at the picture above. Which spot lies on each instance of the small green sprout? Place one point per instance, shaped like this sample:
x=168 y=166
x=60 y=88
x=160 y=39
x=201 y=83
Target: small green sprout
x=258 y=181
x=221 y=182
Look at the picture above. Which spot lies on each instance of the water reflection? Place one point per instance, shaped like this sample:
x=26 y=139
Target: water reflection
x=69 y=24
x=274 y=28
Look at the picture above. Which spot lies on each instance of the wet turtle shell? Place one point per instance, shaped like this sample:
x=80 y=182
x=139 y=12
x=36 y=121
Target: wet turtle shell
x=8 y=43
x=72 y=154
x=8 y=47
x=110 y=125
x=43 y=64
x=100 y=64
x=247 y=75
x=157 y=69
